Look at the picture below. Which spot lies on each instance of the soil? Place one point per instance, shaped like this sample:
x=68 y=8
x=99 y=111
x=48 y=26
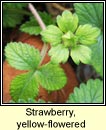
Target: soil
x=59 y=96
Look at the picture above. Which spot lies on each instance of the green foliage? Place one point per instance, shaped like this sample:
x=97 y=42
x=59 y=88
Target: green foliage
x=92 y=92
x=32 y=27
x=81 y=53
x=24 y=86
x=91 y=13
x=22 y=56
x=14 y=5
x=26 y=57
x=51 y=77
x=87 y=34
x=67 y=21
x=30 y=100
x=97 y=55
x=82 y=42
x=71 y=40
x=52 y=34
x=59 y=53
x=13 y=13
x=47 y=18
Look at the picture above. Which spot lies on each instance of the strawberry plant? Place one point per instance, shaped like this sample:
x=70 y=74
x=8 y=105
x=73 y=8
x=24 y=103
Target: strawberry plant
x=70 y=35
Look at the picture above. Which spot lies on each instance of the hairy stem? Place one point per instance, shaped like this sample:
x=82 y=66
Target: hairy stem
x=42 y=25
x=36 y=15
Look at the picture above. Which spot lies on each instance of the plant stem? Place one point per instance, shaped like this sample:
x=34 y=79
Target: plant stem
x=36 y=15
x=43 y=26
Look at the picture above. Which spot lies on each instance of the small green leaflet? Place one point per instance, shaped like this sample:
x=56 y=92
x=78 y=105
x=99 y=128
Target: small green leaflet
x=81 y=53
x=24 y=86
x=69 y=39
x=59 y=54
x=22 y=56
x=87 y=34
x=32 y=27
x=52 y=35
x=91 y=13
x=13 y=14
x=97 y=55
x=67 y=21
x=92 y=92
x=51 y=77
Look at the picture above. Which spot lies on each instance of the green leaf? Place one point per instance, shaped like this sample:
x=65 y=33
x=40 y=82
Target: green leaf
x=51 y=77
x=47 y=18
x=91 y=13
x=59 y=54
x=69 y=39
x=97 y=55
x=87 y=34
x=81 y=53
x=22 y=56
x=52 y=34
x=24 y=86
x=13 y=14
x=92 y=92
x=32 y=27
x=67 y=21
